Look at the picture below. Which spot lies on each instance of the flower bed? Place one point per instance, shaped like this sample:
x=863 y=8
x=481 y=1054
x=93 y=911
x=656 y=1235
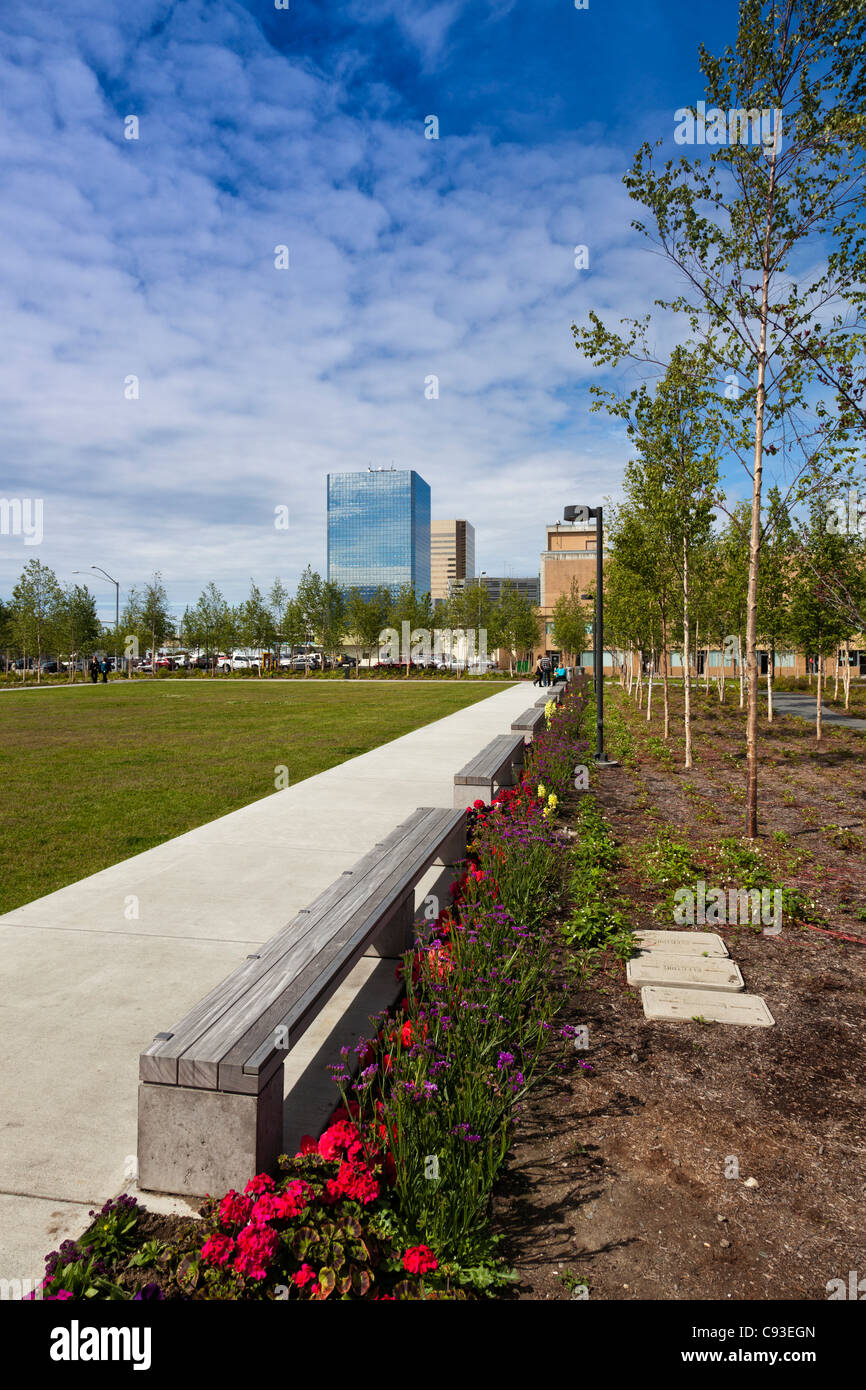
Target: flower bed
x=393 y=1200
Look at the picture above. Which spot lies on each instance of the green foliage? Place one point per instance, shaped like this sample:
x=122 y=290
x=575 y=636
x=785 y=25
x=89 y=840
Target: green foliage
x=743 y=863
x=570 y=619
x=667 y=860
x=597 y=919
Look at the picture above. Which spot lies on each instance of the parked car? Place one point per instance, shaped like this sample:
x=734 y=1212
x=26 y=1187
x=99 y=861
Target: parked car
x=343 y=660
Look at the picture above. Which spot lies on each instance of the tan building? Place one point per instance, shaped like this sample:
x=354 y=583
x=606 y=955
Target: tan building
x=570 y=554
x=452 y=555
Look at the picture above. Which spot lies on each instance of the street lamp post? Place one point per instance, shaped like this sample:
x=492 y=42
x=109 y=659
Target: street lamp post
x=116 y=584
x=584 y=514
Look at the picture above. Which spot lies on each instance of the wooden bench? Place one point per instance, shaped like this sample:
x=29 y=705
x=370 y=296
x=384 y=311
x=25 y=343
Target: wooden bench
x=495 y=766
x=529 y=723
x=556 y=693
x=211 y=1090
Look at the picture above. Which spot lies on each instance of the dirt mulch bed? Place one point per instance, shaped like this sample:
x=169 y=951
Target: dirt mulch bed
x=618 y=1178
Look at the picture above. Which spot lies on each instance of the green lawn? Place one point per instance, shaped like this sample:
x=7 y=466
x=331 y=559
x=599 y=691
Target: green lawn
x=94 y=774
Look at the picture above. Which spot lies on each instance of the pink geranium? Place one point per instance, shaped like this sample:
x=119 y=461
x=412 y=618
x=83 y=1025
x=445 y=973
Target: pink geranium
x=217 y=1249
x=257 y=1246
x=235 y=1209
x=341 y=1138
x=419 y=1259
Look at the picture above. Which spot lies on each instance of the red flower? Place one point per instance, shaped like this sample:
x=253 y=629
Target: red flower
x=282 y=1206
x=341 y=1137
x=260 y=1183
x=235 y=1209
x=217 y=1249
x=303 y=1275
x=419 y=1259
x=256 y=1248
x=308 y=1146
x=353 y=1181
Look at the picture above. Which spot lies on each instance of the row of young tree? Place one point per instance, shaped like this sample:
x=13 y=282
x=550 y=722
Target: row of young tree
x=46 y=618
x=676 y=586
x=320 y=613
x=768 y=368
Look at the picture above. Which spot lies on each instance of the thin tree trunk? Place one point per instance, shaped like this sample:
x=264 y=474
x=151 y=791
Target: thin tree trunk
x=770 y=665
x=707 y=669
x=687 y=675
x=665 y=685
x=742 y=665
x=820 y=682
x=639 y=677
x=836 y=683
x=755 y=530
x=846 y=679
x=649 y=693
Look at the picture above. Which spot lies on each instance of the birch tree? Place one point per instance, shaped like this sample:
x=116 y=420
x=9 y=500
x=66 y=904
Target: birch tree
x=738 y=227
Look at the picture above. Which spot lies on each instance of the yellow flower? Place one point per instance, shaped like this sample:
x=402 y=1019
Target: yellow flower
x=553 y=801
x=541 y=792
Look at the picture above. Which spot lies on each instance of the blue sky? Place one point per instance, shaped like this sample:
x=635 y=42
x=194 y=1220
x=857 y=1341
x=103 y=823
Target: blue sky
x=408 y=258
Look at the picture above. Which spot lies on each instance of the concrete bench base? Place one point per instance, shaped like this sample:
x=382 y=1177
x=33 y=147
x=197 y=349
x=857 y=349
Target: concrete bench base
x=197 y=1142
x=194 y=1142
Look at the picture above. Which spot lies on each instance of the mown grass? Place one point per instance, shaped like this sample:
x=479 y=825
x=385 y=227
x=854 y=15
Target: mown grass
x=93 y=775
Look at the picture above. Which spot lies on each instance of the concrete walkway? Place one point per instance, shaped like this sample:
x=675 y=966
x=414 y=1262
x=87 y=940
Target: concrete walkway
x=92 y=972
x=802 y=704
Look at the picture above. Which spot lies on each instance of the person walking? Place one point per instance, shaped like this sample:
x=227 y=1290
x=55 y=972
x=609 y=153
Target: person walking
x=538 y=678
x=545 y=669
x=103 y=666
x=94 y=670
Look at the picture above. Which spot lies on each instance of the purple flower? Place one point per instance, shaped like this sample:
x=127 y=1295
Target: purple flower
x=506 y=1059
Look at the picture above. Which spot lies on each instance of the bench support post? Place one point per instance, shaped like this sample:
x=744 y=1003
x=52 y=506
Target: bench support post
x=397 y=934
x=467 y=792
x=193 y=1142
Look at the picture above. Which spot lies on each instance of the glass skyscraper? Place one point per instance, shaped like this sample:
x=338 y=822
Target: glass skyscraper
x=379 y=530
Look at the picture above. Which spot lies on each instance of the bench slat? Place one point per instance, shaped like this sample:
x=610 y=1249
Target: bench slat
x=224 y=1019
x=500 y=753
x=337 y=946
x=225 y=995
x=531 y=719
x=159 y=1062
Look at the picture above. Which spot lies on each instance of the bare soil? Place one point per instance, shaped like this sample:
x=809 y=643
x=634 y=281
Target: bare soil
x=632 y=1179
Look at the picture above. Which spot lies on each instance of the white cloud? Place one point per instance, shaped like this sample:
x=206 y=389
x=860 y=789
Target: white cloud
x=408 y=257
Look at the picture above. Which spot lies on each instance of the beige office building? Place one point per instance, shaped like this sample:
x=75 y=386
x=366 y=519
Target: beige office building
x=570 y=554
x=452 y=555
